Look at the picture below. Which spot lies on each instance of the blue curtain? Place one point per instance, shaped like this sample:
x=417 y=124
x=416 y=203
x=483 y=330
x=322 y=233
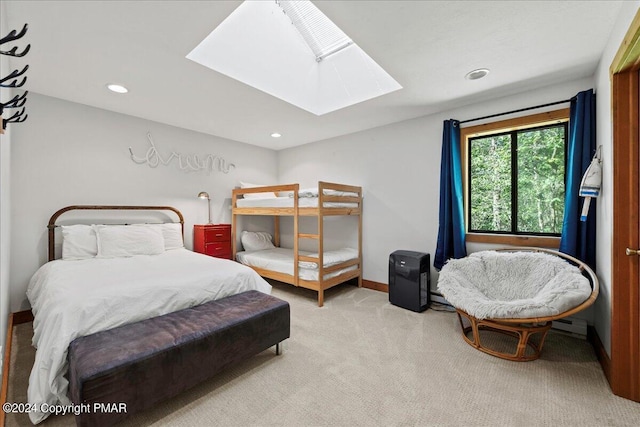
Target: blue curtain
x=451 y=243
x=579 y=238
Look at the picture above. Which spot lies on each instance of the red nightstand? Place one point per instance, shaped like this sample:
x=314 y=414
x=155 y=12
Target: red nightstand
x=213 y=240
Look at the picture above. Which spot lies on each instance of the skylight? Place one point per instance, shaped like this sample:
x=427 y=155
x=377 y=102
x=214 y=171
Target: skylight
x=291 y=50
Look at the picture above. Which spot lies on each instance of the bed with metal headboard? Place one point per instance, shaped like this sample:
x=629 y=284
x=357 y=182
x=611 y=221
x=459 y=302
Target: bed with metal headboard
x=112 y=273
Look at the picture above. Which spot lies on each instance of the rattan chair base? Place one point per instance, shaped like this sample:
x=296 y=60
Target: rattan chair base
x=524 y=332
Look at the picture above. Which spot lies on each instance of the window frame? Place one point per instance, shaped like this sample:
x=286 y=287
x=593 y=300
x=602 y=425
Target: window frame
x=505 y=126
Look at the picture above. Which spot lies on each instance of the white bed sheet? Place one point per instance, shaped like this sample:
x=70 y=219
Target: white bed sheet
x=281 y=260
x=70 y=299
x=287 y=202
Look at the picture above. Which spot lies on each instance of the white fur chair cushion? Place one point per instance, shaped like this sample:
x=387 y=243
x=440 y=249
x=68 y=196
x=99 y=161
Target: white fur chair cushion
x=494 y=285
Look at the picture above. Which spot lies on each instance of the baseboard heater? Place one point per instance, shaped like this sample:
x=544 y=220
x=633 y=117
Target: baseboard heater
x=572 y=325
x=437 y=297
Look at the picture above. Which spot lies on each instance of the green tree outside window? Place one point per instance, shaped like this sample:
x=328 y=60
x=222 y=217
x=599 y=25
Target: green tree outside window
x=527 y=198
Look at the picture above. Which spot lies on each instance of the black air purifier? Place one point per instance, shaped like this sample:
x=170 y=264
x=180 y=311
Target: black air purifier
x=409 y=280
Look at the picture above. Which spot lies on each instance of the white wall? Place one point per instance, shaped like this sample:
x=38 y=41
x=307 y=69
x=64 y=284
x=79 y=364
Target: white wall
x=5 y=156
x=67 y=154
x=398 y=166
x=605 y=201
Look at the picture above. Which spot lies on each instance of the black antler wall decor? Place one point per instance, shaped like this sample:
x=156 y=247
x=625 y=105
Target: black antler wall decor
x=17 y=102
x=13 y=79
x=16 y=118
x=11 y=37
x=14 y=75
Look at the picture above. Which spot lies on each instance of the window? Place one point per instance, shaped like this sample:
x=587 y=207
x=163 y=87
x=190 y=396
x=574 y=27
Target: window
x=515 y=175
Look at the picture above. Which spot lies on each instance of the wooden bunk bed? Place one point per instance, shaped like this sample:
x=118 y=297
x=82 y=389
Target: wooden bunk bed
x=331 y=201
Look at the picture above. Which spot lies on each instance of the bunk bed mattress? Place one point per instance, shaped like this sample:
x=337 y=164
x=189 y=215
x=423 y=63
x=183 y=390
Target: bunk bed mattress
x=281 y=260
x=287 y=202
x=70 y=299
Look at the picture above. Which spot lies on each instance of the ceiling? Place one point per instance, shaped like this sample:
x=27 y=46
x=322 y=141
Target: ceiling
x=427 y=46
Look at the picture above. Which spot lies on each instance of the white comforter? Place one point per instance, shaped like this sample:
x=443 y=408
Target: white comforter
x=70 y=299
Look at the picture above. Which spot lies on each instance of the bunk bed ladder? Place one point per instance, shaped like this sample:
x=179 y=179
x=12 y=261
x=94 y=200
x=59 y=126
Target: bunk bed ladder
x=319 y=237
x=296 y=245
x=320 y=244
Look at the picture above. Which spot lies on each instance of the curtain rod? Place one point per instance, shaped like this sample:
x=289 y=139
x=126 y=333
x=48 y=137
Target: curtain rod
x=516 y=111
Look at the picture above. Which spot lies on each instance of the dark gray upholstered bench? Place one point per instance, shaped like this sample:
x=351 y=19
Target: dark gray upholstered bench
x=143 y=363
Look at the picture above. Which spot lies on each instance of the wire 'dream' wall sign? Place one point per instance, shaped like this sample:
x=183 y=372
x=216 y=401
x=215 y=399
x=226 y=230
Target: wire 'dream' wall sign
x=187 y=163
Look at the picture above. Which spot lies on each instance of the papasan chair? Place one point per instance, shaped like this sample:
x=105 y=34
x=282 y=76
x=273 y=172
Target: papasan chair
x=517 y=292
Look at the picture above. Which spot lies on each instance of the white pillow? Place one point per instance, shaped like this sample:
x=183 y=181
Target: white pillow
x=78 y=242
x=172 y=234
x=313 y=192
x=265 y=195
x=128 y=240
x=256 y=240
x=302 y=192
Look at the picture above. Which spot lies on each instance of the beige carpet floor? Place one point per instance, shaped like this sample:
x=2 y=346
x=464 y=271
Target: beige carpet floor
x=360 y=361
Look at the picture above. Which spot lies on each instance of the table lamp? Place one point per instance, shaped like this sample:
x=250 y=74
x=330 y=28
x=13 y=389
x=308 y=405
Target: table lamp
x=205 y=195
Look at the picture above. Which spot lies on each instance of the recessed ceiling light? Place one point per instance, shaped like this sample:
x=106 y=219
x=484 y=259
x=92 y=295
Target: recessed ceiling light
x=275 y=135
x=477 y=74
x=117 y=88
